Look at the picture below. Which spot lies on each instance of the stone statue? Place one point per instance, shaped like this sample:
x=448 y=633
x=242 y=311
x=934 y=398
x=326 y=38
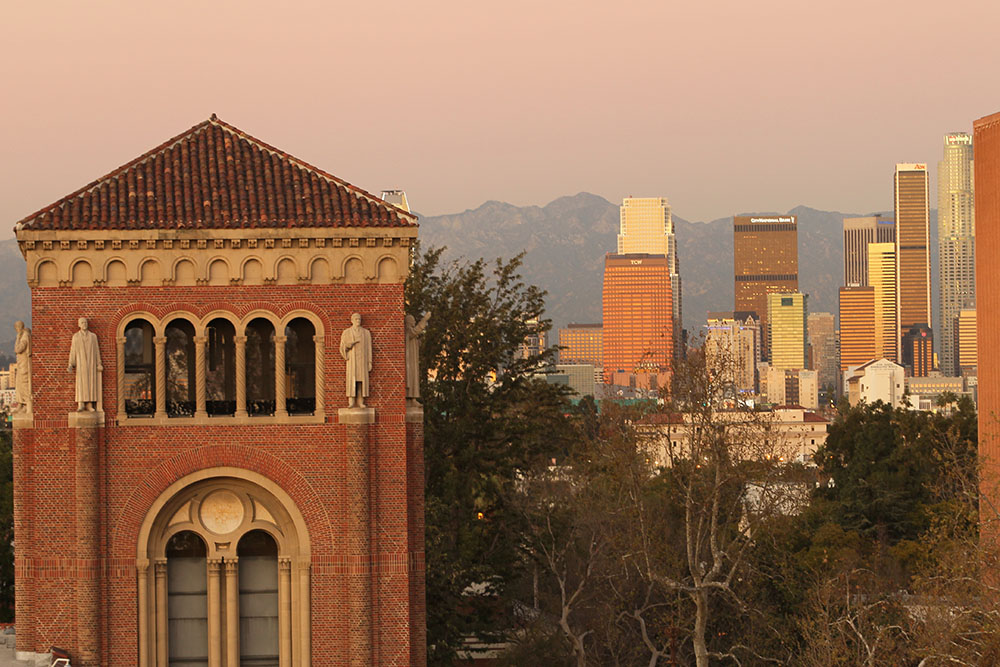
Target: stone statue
x=85 y=357
x=414 y=330
x=356 y=349
x=22 y=377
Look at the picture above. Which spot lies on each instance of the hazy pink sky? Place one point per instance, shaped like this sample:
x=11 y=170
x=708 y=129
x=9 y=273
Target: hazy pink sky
x=722 y=107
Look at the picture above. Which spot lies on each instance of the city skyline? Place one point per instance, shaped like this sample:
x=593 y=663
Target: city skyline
x=745 y=128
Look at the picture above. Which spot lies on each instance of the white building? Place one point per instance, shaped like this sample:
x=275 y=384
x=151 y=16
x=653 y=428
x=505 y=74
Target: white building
x=876 y=380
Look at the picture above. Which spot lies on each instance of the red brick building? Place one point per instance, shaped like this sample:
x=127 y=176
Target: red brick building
x=221 y=506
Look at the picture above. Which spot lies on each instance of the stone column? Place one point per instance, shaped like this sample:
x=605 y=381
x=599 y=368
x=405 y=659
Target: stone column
x=160 y=573
x=142 y=600
x=280 y=377
x=318 y=352
x=161 y=376
x=214 y=613
x=120 y=375
x=305 y=616
x=241 y=376
x=357 y=424
x=199 y=376
x=284 y=612
x=86 y=436
x=232 y=613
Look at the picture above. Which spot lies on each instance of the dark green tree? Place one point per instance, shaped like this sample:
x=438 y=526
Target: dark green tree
x=487 y=416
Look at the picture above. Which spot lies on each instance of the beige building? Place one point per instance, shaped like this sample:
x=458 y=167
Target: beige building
x=858 y=233
x=786 y=323
x=882 y=277
x=789 y=433
x=732 y=347
x=956 y=244
x=782 y=386
x=821 y=329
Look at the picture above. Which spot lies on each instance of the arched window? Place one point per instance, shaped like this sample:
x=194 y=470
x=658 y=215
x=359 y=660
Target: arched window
x=300 y=367
x=260 y=367
x=258 y=583
x=220 y=374
x=187 y=600
x=140 y=373
x=180 y=358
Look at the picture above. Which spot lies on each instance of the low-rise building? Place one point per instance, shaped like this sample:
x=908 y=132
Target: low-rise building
x=876 y=380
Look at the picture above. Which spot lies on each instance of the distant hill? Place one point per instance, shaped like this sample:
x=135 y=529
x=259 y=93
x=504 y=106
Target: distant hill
x=567 y=239
x=565 y=243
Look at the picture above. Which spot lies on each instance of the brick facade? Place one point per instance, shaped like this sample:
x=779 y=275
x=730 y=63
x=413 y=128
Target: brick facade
x=83 y=493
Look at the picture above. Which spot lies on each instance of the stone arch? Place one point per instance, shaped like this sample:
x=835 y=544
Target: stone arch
x=81 y=274
x=115 y=273
x=150 y=273
x=46 y=273
x=353 y=269
x=387 y=270
x=218 y=272
x=252 y=271
x=220 y=506
x=184 y=272
x=319 y=271
x=286 y=272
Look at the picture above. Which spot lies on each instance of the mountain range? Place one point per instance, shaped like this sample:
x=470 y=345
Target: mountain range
x=564 y=244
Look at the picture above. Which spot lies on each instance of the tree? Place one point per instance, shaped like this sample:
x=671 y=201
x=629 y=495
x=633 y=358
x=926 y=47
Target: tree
x=487 y=417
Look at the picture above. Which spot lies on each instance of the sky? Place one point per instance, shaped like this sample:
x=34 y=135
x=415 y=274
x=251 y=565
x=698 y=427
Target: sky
x=722 y=107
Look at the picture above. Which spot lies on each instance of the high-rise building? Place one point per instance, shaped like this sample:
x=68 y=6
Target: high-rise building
x=858 y=233
x=918 y=350
x=786 y=329
x=882 y=277
x=857 y=326
x=956 y=242
x=536 y=342
x=638 y=314
x=986 y=139
x=582 y=344
x=966 y=348
x=913 y=269
x=823 y=348
x=647 y=227
x=765 y=260
x=731 y=344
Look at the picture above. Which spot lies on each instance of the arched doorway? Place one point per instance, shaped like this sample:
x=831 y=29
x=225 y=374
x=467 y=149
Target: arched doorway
x=223 y=575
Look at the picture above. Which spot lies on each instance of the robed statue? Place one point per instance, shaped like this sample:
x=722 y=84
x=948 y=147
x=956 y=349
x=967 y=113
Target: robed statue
x=356 y=349
x=22 y=377
x=414 y=330
x=85 y=357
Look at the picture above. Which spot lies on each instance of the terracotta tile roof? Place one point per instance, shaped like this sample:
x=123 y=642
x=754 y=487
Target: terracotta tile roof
x=215 y=176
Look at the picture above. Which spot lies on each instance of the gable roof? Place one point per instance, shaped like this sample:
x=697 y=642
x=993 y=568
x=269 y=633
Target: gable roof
x=215 y=176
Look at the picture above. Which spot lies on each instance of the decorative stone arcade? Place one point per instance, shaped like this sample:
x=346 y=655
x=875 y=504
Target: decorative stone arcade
x=198 y=485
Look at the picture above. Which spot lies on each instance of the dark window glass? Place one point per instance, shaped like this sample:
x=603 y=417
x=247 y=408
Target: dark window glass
x=220 y=372
x=260 y=367
x=180 y=358
x=300 y=367
x=140 y=373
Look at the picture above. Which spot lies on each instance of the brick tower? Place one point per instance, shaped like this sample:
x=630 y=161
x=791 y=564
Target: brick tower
x=218 y=503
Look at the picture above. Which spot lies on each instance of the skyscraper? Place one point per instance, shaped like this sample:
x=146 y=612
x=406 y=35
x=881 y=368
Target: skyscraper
x=786 y=329
x=956 y=242
x=918 y=350
x=638 y=314
x=858 y=233
x=823 y=348
x=966 y=349
x=857 y=322
x=882 y=277
x=647 y=227
x=986 y=138
x=731 y=342
x=913 y=269
x=765 y=260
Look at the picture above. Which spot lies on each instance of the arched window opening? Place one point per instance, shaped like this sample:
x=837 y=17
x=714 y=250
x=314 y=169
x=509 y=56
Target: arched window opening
x=187 y=601
x=300 y=367
x=220 y=374
x=260 y=367
x=258 y=582
x=180 y=357
x=140 y=371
